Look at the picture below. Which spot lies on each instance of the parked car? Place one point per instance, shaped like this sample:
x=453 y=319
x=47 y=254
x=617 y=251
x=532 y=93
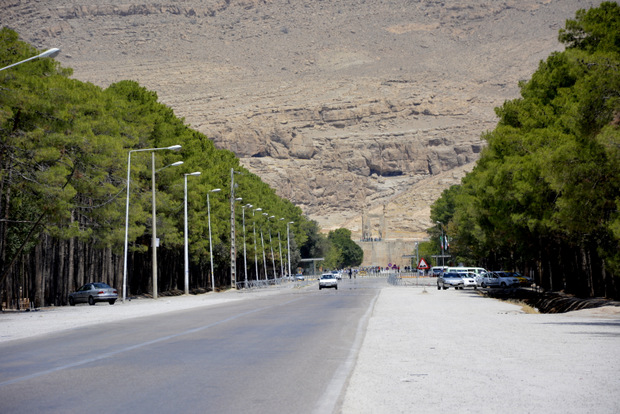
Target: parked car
x=328 y=280
x=469 y=280
x=523 y=280
x=479 y=277
x=448 y=280
x=93 y=293
x=499 y=279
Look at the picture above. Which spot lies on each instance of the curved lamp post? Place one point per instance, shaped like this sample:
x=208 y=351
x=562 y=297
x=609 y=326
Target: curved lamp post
x=245 y=262
x=173 y=148
x=215 y=190
x=233 y=247
x=233 y=255
x=273 y=259
x=255 y=246
x=53 y=52
x=441 y=241
x=194 y=174
x=280 y=247
x=262 y=242
x=154 y=237
x=288 y=244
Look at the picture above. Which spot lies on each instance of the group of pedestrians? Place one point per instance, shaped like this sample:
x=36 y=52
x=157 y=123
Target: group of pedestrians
x=351 y=272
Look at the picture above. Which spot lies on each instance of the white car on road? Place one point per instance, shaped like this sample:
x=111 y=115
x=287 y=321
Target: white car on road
x=328 y=280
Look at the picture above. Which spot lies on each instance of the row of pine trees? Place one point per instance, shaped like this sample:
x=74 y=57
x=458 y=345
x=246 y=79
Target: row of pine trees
x=544 y=198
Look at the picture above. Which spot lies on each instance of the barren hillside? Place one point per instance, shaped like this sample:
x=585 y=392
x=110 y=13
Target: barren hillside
x=341 y=105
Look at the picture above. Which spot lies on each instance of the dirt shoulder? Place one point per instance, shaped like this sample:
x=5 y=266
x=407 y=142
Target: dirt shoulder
x=456 y=351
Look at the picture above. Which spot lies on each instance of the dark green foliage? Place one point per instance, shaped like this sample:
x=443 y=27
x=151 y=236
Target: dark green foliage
x=544 y=196
x=64 y=148
x=594 y=30
x=349 y=254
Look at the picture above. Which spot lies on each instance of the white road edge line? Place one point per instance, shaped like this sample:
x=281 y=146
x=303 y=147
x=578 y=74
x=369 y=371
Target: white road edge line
x=336 y=387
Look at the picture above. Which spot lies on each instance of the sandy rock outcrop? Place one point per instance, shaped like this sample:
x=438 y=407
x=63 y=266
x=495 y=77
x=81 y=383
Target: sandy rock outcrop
x=342 y=106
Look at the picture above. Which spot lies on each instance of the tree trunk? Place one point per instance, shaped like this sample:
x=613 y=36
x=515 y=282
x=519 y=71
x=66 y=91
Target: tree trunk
x=71 y=265
x=80 y=264
x=39 y=288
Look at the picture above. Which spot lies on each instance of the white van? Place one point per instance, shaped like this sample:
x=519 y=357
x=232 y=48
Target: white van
x=478 y=272
x=438 y=270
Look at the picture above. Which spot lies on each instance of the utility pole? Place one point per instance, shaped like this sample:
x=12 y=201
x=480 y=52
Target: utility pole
x=233 y=253
x=441 y=242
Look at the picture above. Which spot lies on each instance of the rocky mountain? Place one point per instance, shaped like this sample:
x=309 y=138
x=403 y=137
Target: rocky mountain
x=343 y=106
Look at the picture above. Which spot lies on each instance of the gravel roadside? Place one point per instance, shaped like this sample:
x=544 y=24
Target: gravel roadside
x=430 y=351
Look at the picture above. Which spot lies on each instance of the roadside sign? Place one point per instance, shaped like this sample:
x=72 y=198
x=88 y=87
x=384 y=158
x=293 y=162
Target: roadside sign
x=422 y=264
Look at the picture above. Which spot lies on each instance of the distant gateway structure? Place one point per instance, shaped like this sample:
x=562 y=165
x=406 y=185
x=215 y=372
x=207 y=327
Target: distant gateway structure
x=367 y=227
x=378 y=251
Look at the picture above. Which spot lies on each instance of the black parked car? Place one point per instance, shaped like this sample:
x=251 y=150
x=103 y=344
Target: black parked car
x=93 y=293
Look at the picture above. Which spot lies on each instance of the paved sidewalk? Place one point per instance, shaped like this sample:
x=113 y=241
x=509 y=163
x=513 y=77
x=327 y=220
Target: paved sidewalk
x=430 y=351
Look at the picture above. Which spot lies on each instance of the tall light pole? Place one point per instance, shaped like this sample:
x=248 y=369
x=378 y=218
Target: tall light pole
x=262 y=242
x=174 y=148
x=280 y=246
x=255 y=245
x=441 y=241
x=154 y=237
x=288 y=244
x=186 y=291
x=215 y=190
x=417 y=259
x=48 y=53
x=273 y=259
x=245 y=261
x=235 y=241
x=233 y=251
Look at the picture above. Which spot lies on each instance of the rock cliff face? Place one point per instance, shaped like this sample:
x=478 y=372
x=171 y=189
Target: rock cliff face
x=343 y=106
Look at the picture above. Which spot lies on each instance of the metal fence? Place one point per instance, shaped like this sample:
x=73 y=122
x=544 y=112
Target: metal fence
x=283 y=281
x=411 y=279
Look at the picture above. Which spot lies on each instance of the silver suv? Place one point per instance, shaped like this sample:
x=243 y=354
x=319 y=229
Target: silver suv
x=499 y=279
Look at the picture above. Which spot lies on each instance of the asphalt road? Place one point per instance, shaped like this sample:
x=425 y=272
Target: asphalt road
x=290 y=352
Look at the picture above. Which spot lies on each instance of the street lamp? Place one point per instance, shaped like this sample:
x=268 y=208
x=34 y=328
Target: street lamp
x=194 y=174
x=215 y=190
x=255 y=246
x=441 y=241
x=174 y=148
x=288 y=244
x=245 y=262
x=154 y=237
x=280 y=246
x=273 y=260
x=48 y=53
x=233 y=257
x=233 y=251
x=262 y=242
